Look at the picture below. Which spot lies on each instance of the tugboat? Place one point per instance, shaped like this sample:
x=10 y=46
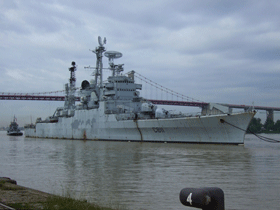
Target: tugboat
x=13 y=129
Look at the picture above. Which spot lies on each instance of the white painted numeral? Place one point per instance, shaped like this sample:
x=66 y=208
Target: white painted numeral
x=189 y=198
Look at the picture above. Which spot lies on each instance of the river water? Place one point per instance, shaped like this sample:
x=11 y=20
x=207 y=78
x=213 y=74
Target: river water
x=145 y=175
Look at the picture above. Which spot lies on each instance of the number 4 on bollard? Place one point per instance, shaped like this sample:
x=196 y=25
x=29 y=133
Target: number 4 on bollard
x=208 y=198
x=189 y=199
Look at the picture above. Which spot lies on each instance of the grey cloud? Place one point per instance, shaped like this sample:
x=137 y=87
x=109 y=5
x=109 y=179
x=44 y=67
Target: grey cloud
x=218 y=51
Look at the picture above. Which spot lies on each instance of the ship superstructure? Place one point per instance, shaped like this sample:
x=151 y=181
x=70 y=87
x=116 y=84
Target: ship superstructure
x=114 y=110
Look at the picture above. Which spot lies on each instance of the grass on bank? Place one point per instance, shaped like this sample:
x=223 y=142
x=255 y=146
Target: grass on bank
x=60 y=203
x=67 y=203
x=70 y=201
x=53 y=202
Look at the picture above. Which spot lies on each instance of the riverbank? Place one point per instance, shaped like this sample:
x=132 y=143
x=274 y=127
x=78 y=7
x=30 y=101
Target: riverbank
x=14 y=196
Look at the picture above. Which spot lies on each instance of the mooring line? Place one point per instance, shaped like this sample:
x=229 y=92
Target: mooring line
x=263 y=138
x=6 y=207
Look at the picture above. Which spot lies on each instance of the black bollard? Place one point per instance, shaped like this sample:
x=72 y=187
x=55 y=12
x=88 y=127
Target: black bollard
x=208 y=198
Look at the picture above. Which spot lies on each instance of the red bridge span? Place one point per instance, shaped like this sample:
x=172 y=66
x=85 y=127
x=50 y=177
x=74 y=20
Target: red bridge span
x=269 y=110
x=61 y=98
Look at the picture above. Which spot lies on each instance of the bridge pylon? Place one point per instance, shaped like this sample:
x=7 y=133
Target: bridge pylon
x=270 y=114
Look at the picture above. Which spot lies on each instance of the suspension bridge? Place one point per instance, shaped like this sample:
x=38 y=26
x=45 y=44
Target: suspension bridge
x=177 y=99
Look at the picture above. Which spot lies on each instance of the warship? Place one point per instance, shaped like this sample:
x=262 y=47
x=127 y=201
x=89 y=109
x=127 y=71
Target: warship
x=114 y=110
x=13 y=129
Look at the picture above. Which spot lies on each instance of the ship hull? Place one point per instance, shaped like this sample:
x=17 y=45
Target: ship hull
x=15 y=134
x=92 y=125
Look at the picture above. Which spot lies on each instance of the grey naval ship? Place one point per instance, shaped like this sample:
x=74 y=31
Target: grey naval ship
x=113 y=110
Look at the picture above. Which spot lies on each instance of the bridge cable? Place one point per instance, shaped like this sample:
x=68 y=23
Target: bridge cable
x=263 y=138
x=162 y=88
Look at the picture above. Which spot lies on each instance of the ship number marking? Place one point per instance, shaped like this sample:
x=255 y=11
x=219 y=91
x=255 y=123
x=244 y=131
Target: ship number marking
x=189 y=198
x=158 y=130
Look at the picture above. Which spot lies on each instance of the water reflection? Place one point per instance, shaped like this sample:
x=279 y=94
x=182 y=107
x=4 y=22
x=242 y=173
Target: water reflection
x=128 y=171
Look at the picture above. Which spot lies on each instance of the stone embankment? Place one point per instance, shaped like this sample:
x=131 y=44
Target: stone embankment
x=13 y=196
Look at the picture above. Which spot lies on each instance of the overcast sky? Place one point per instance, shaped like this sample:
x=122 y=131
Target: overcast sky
x=213 y=51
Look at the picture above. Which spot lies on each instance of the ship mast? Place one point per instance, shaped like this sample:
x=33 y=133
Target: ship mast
x=70 y=92
x=72 y=81
x=99 y=65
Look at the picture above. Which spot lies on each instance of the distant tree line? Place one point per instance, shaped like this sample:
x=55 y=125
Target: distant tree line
x=269 y=126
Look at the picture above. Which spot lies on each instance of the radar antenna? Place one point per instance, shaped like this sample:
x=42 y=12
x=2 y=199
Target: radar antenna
x=100 y=41
x=111 y=55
